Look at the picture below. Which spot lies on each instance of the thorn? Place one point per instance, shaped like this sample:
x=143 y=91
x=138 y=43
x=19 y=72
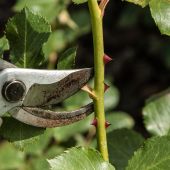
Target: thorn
x=103 y=5
x=106 y=59
x=107 y=124
x=94 y=122
x=106 y=87
x=89 y=90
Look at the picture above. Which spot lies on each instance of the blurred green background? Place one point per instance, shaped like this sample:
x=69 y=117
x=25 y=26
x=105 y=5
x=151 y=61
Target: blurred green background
x=140 y=68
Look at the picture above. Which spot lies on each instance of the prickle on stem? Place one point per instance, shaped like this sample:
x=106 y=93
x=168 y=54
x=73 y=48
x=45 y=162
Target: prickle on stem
x=106 y=87
x=103 y=5
x=89 y=90
x=106 y=59
x=94 y=123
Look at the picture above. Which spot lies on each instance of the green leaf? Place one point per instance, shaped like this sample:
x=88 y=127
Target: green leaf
x=60 y=38
x=79 y=1
x=54 y=151
x=10 y=158
x=27 y=32
x=39 y=164
x=81 y=98
x=20 y=134
x=81 y=18
x=56 y=43
x=122 y=144
x=81 y=159
x=142 y=3
x=49 y=9
x=3 y=45
x=157 y=115
x=111 y=98
x=65 y=132
x=67 y=60
x=154 y=155
x=42 y=141
x=119 y=120
x=160 y=13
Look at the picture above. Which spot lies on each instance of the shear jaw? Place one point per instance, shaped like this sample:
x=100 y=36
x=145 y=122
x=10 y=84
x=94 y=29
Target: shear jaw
x=24 y=91
x=47 y=119
x=31 y=100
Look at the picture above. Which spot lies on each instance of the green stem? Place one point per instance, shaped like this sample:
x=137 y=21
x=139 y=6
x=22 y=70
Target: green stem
x=97 y=30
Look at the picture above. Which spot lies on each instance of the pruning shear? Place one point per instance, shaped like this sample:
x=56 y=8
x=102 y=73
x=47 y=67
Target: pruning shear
x=27 y=94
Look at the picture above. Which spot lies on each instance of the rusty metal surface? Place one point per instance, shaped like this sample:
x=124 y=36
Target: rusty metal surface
x=37 y=88
x=46 y=94
x=48 y=114
x=50 y=119
x=48 y=80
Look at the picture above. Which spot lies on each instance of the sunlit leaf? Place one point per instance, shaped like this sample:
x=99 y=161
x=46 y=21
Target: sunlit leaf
x=49 y=9
x=160 y=12
x=155 y=154
x=142 y=3
x=157 y=115
x=80 y=159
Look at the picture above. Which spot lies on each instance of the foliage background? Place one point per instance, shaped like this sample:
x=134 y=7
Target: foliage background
x=140 y=68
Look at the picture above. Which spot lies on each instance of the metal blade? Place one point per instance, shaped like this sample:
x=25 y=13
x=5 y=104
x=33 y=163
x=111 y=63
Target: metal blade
x=46 y=94
x=4 y=64
x=48 y=114
x=49 y=119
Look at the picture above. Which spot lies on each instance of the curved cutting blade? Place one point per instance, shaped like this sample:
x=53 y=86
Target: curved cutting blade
x=49 y=119
x=43 y=87
x=47 y=94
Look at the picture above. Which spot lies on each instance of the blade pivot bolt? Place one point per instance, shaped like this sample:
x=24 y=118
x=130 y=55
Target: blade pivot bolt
x=13 y=91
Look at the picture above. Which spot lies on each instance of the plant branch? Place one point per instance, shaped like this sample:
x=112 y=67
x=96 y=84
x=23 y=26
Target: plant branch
x=97 y=30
